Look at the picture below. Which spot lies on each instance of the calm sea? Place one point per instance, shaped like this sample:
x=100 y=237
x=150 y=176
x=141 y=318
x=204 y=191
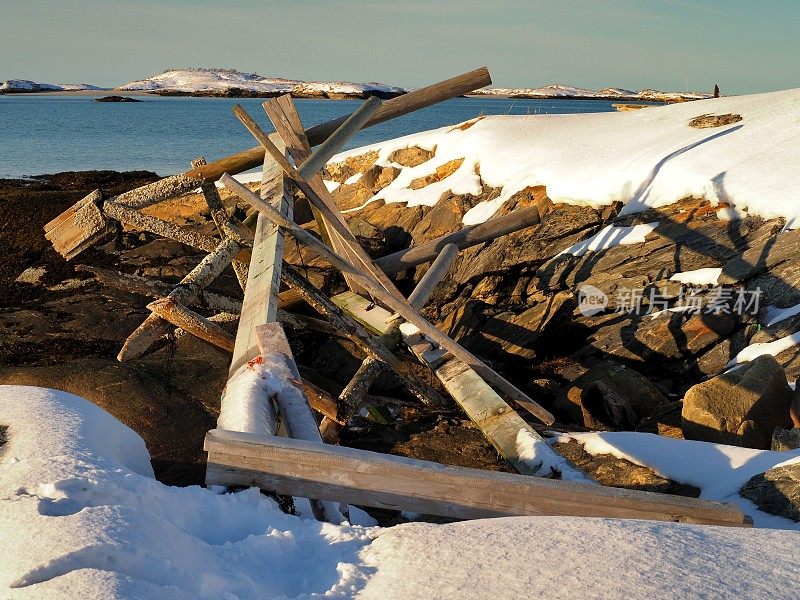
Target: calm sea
x=47 y=133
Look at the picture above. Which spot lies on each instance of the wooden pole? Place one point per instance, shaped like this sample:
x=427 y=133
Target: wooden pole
x=154 y=327
x=398 y=305
x=464 y=238
x=192 y=322
x=360 y=336
x=396 y=107
x=423 y=290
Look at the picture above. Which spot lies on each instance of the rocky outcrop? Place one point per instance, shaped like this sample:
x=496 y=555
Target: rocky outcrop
x=739 y=408
x=706 y=121
x=777 y=491
x=785 y=439
x=611 y=396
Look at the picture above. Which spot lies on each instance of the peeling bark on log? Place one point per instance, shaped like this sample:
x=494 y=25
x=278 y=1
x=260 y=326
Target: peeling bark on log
x=192 y=322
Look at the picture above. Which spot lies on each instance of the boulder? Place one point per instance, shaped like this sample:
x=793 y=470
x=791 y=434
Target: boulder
x=611 y=396
x=785 y=439
x=739 y=408
x=777 y=491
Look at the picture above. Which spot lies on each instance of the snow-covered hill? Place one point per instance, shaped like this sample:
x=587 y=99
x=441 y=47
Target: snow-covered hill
x=229 y=82
x=24 y=85
x=567 y=91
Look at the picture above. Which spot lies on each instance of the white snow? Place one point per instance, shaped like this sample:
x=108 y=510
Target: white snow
x=707 y=276
x=773 y=348
x=643 y=158
x=220 y=80
x=773 y=314
x=610 y=236
x=82 y=516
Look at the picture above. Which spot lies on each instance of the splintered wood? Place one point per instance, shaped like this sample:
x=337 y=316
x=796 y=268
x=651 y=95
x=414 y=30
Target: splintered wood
x=373 y=314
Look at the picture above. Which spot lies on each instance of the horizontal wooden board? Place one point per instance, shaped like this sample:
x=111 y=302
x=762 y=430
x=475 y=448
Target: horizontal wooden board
x=313 y=470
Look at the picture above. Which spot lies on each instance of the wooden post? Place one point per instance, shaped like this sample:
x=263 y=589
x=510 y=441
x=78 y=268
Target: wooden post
x=464 y=238
x=399 y=305
x=394 y=482
x=358 y=334
x=261 y=298
x=154 y=327
x=191 y=322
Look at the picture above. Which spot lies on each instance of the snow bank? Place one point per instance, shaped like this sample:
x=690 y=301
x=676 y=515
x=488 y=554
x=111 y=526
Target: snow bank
x=81 y=516
x=773 y=348
x=561 y=557
x=643 y=158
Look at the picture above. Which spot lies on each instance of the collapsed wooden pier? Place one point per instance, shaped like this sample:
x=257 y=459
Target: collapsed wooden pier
x=286 y=450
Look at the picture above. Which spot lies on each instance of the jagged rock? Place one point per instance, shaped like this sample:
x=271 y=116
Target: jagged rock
x=777 y=491
x=506 y=334
x=411 y=156
x=373 y=180
x=344 y=170
x=445 y=216
x=442 y=172
x=669 y=336
x=609 y=470
x=739 y=408
x=785 y=439
x=611 y=396
x=706 y=121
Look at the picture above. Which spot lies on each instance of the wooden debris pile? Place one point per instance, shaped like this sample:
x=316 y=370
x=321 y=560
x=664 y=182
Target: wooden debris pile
x=373 y=314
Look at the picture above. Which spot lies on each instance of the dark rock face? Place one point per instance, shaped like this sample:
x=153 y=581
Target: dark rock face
x=740 y=408
x=116 y=99
x=611 y=396
x=777 y=491
x=785 y=439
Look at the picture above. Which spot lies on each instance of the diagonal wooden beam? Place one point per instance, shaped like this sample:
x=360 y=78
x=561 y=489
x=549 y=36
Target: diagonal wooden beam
x=396 y=303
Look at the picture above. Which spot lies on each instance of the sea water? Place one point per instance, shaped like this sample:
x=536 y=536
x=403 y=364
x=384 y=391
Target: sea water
x=48 y=133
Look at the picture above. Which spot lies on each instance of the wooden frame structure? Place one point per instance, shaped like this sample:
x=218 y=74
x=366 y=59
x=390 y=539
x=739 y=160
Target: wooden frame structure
x=374 y=314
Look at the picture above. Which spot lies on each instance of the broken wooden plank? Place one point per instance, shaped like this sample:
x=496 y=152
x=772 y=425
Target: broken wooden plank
x=399 y=305
x=260 y=303
x=309 y=469
x=192 y=322
x=498 y=422
x=154 y=327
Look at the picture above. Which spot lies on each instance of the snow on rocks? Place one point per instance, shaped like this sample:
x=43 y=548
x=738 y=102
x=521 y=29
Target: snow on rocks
x=706 y=276
x=222 y=81
x=610 y=236
x=647 y=158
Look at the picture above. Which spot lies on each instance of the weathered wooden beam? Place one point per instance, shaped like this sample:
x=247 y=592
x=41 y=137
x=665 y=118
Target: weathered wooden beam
x=154 y=327
x=261 y=298
x=356 y=389
x=220 y=217
x=498 y=422
x=336 y=473
x=355 y=332
x=153 y=288
x=399 y=305
x=464 y=238
x=192 y=322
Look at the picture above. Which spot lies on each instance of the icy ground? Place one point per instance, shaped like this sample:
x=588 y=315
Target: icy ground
x=82 y=516
x=649 y=157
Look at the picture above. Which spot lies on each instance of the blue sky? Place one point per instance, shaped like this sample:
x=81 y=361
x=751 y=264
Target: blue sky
x=744 y=46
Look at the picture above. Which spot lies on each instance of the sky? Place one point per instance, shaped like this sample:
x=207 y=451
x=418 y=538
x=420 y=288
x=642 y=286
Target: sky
x=742 y=45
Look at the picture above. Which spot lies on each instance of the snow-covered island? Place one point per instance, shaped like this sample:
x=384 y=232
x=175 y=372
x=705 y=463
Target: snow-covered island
x=233 y=83
x=23 y=86
x=575 y=93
